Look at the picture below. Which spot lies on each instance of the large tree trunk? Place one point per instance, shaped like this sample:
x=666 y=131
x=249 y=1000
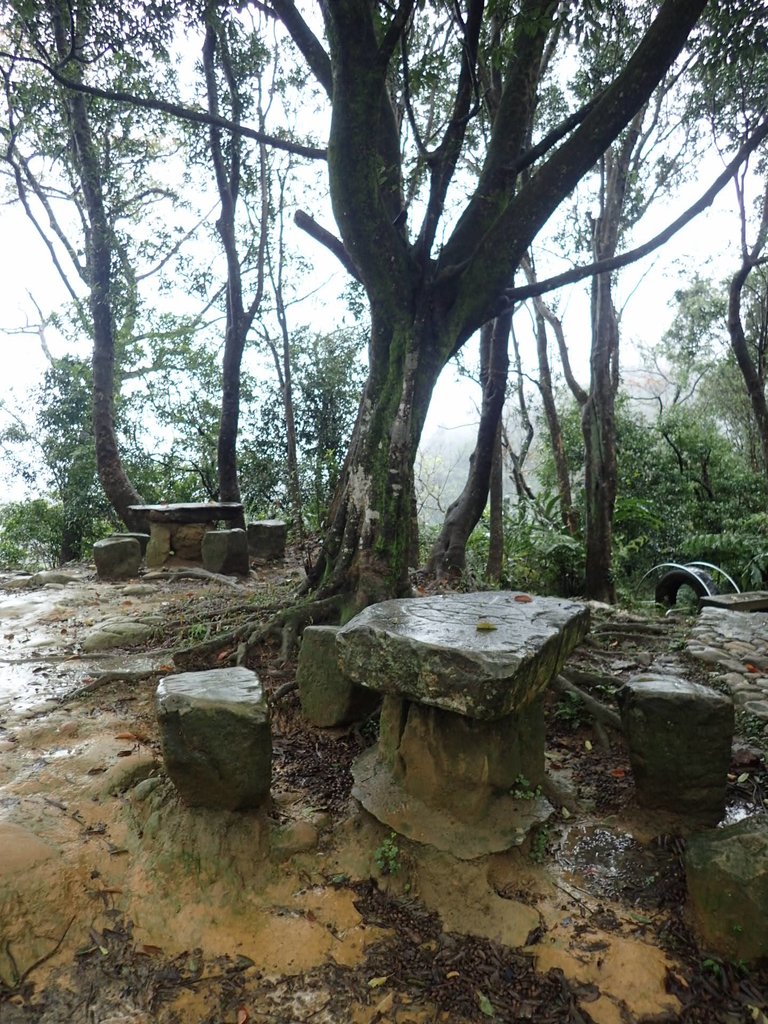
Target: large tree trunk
x=118 y=488
x=425 y=304
x=752 y=372
x=368 y=546
x=226 y=165
x=449 y=554
x=599 y=429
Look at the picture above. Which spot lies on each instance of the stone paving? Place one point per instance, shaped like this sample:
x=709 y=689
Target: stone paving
x=735 y=645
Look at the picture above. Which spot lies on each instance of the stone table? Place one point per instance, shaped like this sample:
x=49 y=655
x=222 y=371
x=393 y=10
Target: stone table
x=176 y=531
x=461 y=746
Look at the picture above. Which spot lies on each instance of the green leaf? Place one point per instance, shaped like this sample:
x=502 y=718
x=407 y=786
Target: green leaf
x=485 y=1005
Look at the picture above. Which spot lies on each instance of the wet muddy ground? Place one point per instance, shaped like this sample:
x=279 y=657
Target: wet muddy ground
x=120 y=906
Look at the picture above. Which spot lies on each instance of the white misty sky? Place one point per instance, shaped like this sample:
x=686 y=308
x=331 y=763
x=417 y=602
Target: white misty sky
x=708 y=246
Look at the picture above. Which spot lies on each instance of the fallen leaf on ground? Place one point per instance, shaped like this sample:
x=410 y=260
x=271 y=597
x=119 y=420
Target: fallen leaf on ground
x=618 y=773
x=149 y=950
x=378 y=982
x=384 y=1008
x=242 y=1015
x=522 y=599
x=484 y=626
x=485 y=1004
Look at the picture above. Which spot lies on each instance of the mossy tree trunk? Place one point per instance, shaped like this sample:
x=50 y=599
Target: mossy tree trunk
x=427 y=299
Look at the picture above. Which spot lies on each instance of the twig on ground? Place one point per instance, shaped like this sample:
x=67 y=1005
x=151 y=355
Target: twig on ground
x=21 y=978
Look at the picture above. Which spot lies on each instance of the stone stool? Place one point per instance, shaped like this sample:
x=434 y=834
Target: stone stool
x=266 y=539
x=216 y=739
x=726 y=871
x=142 y=538
x=462 y=725
x=328 y=697
x=117 y=558
x=679 y=735
x=226 y=551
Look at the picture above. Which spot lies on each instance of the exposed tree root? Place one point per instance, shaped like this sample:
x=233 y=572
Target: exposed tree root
x=629 y=630
x=286 y=624
x=579 y=677
x=290 y=622
x=602 y=714
x=558 y=794
x=193 y=573
x=19 y=978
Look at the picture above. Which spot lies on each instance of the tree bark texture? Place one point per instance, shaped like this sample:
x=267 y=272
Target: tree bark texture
x=495 y=564
x=554 y=428
x=752 y=370
x=598 y=413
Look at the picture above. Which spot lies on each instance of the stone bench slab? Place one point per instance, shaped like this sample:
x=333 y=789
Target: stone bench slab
x=191 y=512
x=749 y=601
x=481 y=655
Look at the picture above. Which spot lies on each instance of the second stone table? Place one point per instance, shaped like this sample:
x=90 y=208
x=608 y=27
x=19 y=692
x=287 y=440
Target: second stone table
x=461 y=746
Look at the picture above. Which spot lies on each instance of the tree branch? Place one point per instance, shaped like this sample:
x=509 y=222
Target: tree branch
x=309 y=45
x=328 y=239
x=178 y=110
x=632 y=255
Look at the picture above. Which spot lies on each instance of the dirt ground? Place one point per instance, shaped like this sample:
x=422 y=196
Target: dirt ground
x=119 y=905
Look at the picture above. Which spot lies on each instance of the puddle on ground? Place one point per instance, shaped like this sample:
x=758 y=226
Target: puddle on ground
x=611 y=864
x=737 y=811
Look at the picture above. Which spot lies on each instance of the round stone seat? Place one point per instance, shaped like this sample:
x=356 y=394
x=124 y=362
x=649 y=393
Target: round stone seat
x=216 y=738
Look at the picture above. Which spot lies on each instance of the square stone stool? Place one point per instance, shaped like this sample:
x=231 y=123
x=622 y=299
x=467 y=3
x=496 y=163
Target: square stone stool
x=216 y=739
x=679 y=735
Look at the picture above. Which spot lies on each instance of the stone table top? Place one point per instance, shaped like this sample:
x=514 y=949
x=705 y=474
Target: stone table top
x=213 y=688
x=191 y=512
x=481 y=655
